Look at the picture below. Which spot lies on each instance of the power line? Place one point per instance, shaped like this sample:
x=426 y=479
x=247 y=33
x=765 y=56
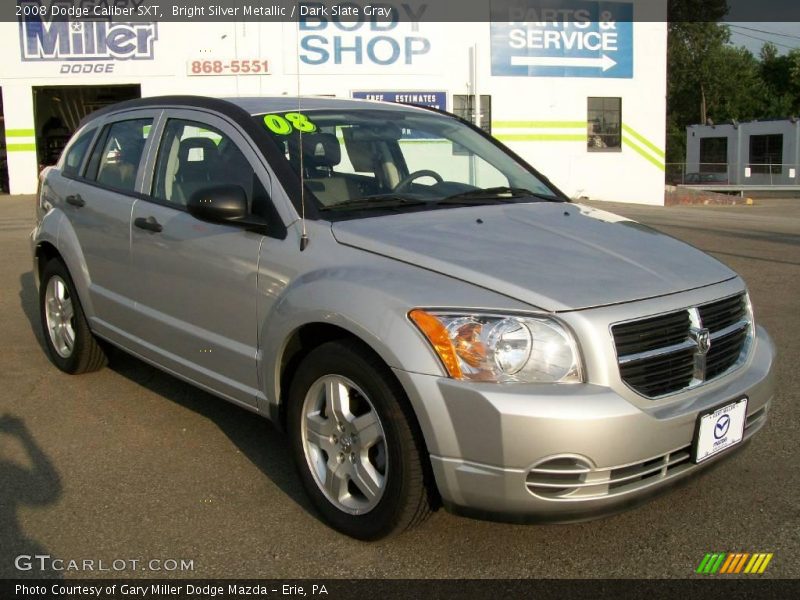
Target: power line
x=766 y=40
x=788 y=35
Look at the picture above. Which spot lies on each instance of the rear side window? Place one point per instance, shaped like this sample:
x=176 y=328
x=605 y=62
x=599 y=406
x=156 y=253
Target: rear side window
x=116 y=156
x=75 y=153
x=193 y=156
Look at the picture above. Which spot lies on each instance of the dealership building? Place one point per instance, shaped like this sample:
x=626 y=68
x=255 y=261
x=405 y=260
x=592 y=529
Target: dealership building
x=579 y=93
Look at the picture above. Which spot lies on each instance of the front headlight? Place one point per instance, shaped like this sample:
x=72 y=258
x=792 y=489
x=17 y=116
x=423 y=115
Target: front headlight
x=501 y=348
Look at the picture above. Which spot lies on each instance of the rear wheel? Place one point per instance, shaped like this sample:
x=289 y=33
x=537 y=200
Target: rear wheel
x=354 y=443
x=70 y=343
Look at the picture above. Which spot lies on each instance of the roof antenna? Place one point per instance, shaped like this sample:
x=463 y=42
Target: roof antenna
x=304 y=235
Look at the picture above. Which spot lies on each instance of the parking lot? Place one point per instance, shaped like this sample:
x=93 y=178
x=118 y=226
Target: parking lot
x=132 y=464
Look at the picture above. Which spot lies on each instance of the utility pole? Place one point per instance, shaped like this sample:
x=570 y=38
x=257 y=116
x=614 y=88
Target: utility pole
x=703 y=115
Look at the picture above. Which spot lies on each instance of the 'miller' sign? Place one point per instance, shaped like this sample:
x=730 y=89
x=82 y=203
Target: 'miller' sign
x=85 y=40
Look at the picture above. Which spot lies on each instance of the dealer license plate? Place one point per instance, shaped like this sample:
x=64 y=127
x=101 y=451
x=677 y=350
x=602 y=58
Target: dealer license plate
x=719 y=429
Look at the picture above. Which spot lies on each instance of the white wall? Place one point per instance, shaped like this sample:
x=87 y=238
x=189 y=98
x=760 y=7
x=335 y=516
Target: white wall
x=553 y=107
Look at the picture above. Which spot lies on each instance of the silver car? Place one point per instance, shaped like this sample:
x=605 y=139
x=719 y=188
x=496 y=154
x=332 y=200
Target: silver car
x=430 y=319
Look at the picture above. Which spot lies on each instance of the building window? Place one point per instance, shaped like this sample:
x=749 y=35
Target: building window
x=604 y=124
x=464 y=107
x=713 y=155
x=766 y=153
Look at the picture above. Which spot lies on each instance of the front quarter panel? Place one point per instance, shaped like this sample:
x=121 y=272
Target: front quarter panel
x=369 y=296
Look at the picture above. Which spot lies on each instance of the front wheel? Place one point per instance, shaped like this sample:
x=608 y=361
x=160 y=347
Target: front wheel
x=354 y=443
x=70 y=343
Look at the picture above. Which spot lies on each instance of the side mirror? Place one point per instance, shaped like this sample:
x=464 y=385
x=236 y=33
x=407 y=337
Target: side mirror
x=219 y=204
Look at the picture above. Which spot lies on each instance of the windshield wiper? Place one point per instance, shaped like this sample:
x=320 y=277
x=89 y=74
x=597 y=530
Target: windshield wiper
x=399 y=201
x=377 y=201
x=496 y=194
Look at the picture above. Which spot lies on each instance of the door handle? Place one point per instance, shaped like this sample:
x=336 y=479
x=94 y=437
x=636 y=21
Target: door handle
x=75 y=200
x=148 y=224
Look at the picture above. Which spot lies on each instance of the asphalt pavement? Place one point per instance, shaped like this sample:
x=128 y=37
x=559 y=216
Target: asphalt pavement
x=131 y=464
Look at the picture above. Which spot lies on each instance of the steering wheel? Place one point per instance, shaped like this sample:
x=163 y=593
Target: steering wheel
x=408 y=179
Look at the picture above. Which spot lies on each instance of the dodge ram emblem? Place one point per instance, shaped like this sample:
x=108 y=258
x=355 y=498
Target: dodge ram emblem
x=703 y=340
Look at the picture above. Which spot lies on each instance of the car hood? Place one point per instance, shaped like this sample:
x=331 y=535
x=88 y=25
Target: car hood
x=554 y=256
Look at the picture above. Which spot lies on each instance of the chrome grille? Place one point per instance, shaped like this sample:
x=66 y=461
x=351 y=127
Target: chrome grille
x=719 y=315
x=668 y=353
x=660 y=374
x=724 y=353
x=652 y=333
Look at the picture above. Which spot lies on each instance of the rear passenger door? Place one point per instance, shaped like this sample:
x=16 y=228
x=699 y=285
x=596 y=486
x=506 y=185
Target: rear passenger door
x=98 y=204
x=194 y=282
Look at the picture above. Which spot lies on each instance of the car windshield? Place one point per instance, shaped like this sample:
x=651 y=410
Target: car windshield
x=396 y=160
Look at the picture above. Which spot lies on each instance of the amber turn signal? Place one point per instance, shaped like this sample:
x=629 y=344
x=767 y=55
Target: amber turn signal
x=437 y=335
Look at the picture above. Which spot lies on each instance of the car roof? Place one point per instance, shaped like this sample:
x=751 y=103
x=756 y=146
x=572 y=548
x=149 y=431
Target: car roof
x=249 y=105
x=266 y=104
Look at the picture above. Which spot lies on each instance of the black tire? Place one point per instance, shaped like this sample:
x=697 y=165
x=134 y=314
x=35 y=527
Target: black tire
x=404 y=502
x=85 y=354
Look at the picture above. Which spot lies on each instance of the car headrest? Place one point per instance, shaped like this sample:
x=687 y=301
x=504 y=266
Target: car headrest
x=319 y=149
x=131 y=149
x=198 y=149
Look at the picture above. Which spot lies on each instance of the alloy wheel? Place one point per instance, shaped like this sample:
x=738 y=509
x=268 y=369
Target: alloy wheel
x=60 y=316
x=344 y=444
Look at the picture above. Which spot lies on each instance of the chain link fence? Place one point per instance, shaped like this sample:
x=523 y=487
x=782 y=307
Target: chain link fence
x=758 y=174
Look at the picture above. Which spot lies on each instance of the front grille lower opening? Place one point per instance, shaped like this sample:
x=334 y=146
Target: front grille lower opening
x=655 y=468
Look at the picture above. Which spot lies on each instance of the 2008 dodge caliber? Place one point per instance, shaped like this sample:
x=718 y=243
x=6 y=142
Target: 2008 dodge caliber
x=428 y=317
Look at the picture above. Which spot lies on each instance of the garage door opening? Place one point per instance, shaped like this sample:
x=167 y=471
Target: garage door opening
x=59 y=109
x=3 y=149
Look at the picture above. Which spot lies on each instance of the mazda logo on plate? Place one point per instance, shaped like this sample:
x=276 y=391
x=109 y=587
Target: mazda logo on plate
x=722 y=426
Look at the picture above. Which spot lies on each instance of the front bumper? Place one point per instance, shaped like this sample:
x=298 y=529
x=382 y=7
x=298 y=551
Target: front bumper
x=570 y=452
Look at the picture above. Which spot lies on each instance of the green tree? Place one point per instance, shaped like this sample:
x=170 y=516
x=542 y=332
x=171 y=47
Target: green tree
x=780 y=76
x=688 y=11
x=794 y=78
x=735 y=90
x=695 y=41
x=709 y=81
x=693 y=57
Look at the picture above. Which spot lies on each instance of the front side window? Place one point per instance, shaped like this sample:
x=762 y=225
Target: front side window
x=604 y=124
x=193 y=156
x=116 y=156
x=398 y=160
x=73 y=158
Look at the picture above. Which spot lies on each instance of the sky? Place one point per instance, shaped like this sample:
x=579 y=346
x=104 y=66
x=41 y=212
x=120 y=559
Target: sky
x=752 y=36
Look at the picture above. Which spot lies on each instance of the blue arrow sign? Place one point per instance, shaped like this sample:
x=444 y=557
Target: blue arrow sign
x=571 y=38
